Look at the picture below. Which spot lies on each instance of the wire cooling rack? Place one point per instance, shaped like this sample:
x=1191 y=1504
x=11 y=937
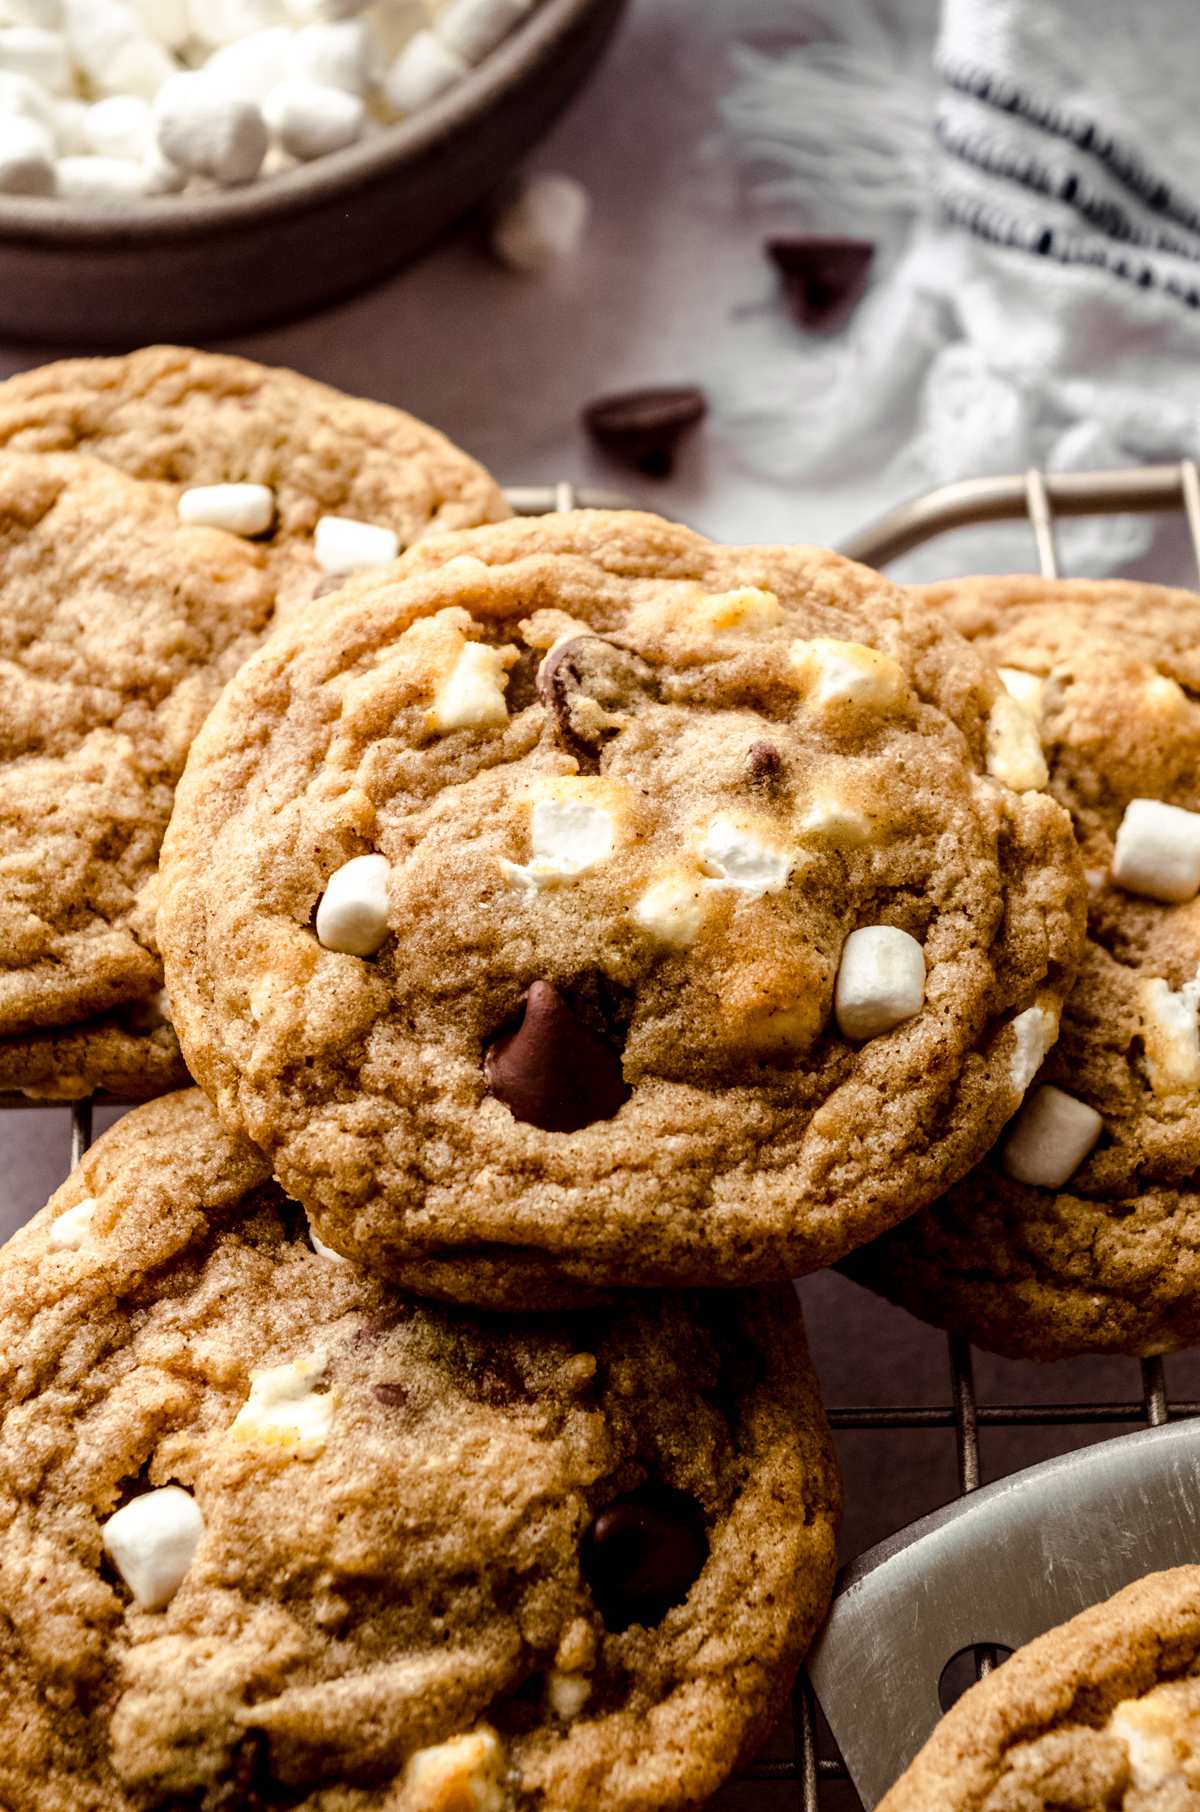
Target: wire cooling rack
x=815 y=1774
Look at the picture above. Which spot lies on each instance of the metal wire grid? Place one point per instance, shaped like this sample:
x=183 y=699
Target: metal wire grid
x=1033 y=495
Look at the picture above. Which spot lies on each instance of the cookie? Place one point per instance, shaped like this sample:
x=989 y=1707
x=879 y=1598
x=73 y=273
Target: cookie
x=131 y=1052
x=192 y=418
x=1103 y=1711
x=1080 y=1232
x=275 y=1533
x=90 y=747
x=592 y=905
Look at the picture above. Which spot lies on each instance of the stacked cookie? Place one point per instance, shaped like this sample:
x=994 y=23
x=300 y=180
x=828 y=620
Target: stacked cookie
x=1080 y=1232
x=576 y=930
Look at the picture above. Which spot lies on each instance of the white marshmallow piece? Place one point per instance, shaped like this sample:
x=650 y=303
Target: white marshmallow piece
x=69 y=1230
x=119 y=126
x=254 y=65
x=567 y=1694
x=153 y=1542
x=353 y=914
x=41 y=55
x=342 y=545
x=1014 y=747
x=1157 y=851
x=1026 y=688
x=849 y=674
x=166 y=20
x=206 y=129
x=100 y=179
x=472 y=694
x=423 y=70
x=46 y=13
x=311 y=121
x=284 y=1410
x=568 y=836
x=1157 y=1740
x=472 y=28
x=19 y=95
x=324 y=1251
x=1034 y=1030
x=223 y=21
x=243 y=509
x=338 y=53
x=542 y=225
x=70 y=117
x=26 y=157
x=674 y=909
x=1171 y=1035
x=465 y=1771
x=881 y=981
x=1051 y=1136
x=114 y=50
x=741 y=862
x=160 y=175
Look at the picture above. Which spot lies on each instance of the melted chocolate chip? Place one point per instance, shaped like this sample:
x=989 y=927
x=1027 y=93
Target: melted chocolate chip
x=642 y=1554
x=643 y=428
x=329 y=582
x=522 y=687
x=763 y=761
x=587 y=668
x=392 y=1396
x=823 y=278
x=551 y=1070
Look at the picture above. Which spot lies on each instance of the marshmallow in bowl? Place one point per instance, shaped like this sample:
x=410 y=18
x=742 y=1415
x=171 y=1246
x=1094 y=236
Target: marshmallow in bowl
x=203 y=127
x=26 y=157
x=424 y=69
x=311 y=120
x=472 y=28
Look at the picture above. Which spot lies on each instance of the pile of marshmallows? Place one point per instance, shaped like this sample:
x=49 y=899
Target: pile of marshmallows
x=116 y=99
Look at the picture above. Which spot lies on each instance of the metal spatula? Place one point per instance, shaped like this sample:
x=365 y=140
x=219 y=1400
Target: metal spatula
x=997 y=1567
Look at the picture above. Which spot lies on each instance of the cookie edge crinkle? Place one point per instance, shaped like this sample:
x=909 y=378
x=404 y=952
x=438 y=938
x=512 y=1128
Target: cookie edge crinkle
x=1116 y=1650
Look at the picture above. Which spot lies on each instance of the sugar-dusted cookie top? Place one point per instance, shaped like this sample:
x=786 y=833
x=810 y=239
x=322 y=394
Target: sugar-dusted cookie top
x=1103 y=1711
x=596 y=905
x=1079 y=1232
x=274 y=1533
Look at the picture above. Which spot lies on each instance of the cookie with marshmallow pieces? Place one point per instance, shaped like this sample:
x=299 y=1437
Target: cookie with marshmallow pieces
x=1080 y=1232
x=586 y=904
x=274 y=1533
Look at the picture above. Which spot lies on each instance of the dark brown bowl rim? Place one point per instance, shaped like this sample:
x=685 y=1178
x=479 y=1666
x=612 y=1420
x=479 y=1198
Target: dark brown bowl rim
x=45 y=220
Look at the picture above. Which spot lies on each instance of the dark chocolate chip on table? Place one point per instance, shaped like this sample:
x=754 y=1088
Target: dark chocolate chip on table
x=641 y=1555
x=823 y=277
x=643 y=428
x=588 y=667
x=553 y=1071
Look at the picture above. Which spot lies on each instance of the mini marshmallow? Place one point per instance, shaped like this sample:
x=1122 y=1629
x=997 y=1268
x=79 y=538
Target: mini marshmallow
x=312 y=121
x=160 y=175
x=1014 y=747
x=254 y=65
x=881 y=981
x=69 y=120
x=342 y=545
x=166 y=20
x=472 y=693
x=340 y=53
x=567 y=837
x=1171 y=1035
x=41 y=55
x=48 y=14
x=674 y=909
x=1158 y=851
x=205 y=128
x=114 y=50
x=423 y=70
x=68 y=1231
x=153 y=1541
x=283 y=1410
x=472 y=28
x=26 y=157
x=100 y=179
x=832 y=822
x=119 y=126
x=466 y=1771
x=747 y=611
x=243 y=509
x=542 y=224
x=353 y=914
x=1051 y=1136
x=743 y=863
x=20 y=95
x=1034 y=1030
x=324 y=1251
x=222 y=21
x=841 y=674
x=1026 y=688
x=567 y=1694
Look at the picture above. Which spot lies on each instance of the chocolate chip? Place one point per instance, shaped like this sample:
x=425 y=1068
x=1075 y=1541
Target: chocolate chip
x=643 y=428
x=551 y=1070
x=823 y=278
x=608 y=678
x=233 y=1794
x=522 y=687
x=764 y=761
x=392 y=1396
x=329 y=582
x=642 y=1554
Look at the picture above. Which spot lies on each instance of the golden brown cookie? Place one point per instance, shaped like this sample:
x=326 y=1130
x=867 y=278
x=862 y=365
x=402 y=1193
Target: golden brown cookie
x=509 y=907
x=274 y=1533
x=1023 y=1255
x=131 y=1052
x=1101 y=1714
x=119 y=625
